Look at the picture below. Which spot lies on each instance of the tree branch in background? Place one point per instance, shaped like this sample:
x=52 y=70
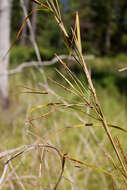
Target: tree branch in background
x=123 y=69
x=42 y=63
x=24 y=31
x=32 y=37
x=34 y=18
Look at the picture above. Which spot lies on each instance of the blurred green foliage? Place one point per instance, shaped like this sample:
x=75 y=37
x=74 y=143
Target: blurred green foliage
x=103 y=25
x=21 y=54
x=104 y=70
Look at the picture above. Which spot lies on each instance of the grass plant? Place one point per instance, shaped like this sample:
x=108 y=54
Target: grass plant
x=89 y=134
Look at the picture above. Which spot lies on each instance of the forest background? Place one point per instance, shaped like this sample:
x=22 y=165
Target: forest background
x=103 y=32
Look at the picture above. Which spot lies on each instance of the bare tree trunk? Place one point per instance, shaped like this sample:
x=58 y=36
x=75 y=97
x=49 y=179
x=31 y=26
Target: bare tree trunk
x=5 y=11
x=34 y=18
x=24 y=32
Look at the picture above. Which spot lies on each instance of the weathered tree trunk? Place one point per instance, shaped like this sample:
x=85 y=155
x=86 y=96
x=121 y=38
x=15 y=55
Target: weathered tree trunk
x=5 y=11
x=33 y=21
x=34 y=18
x=24 y=32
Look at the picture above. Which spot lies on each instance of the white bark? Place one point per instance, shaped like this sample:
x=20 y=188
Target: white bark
x=34 y=18
x=5 y=11
x=24 y=32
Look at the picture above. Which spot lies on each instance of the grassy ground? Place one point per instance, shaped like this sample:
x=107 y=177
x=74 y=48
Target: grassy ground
x=87 y=144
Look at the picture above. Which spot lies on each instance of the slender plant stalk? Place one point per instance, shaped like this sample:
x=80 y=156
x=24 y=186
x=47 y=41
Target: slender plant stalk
x=73 y=44
x=101 y=113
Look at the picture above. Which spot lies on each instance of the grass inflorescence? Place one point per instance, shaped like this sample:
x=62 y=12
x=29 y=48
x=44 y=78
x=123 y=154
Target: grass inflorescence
x=45 y=133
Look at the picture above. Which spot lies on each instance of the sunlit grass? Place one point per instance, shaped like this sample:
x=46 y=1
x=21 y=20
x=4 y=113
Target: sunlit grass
x=16 y=132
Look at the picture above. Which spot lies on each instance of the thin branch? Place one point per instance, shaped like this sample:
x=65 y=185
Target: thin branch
x=32 y=36
x=33 y=40
x=99 y=109
x=123 y=69
x=42 y=63
x=61 y=173
x=8 y=152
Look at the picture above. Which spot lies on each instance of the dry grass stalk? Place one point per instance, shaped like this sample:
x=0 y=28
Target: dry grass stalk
x=73 y=43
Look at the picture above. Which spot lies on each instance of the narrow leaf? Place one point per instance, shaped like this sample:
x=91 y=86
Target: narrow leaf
x=42 y=106
x=36 y=92
x=78 y=33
